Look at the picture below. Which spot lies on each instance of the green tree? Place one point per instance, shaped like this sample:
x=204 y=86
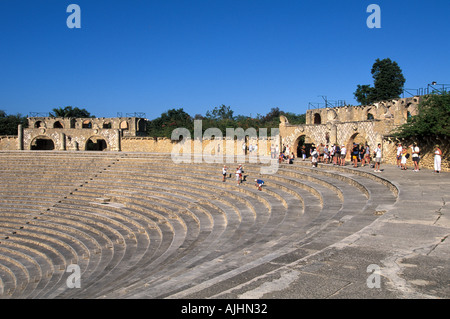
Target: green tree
x=433 y=119
x=168 y=121
x=221 y=113
x=69 y=111
x=294 y=118
x=388 y=83
x=364 y=94
x=10 y=123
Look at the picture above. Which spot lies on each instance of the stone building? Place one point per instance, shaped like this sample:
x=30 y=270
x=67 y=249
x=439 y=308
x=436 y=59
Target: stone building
x=346 y=125
x=101 y=134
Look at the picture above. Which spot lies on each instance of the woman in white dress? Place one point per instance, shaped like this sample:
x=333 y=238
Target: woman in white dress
x=437 y=159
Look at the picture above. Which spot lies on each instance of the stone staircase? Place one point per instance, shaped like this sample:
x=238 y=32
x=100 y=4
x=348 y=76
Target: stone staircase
x=141 y=226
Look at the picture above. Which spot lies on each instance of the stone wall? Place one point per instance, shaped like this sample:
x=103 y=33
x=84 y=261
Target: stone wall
x=71 y=139
x=398 y=110
x=206 y=146
x=9 y=143
x=129 y=126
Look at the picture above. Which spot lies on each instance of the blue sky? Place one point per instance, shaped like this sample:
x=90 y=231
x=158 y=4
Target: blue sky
x=252 y=55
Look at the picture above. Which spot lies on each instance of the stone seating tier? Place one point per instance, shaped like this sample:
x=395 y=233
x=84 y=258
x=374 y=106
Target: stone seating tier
x=139 y=225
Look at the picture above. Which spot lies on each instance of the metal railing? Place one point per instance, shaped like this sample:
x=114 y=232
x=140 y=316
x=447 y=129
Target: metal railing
x=433 y=88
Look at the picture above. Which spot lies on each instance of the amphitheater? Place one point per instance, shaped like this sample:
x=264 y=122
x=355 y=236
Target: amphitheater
x=140 y=226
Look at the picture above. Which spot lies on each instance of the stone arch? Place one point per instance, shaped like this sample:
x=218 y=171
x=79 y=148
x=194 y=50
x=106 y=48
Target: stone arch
x=317 y=119
x=58 y=124
x=39 y=124
x=87 y=124
x=141 y=126
x=302 y=140
x=357 y=138
x=96 y=143
x=124 y=125
x=42 y=143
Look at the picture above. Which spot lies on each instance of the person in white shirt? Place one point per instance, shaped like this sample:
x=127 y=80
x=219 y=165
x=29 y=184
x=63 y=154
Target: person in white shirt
x=377 y=158
x=238 y=175
x=224 y=173
x=399 y=154
x=415 y=156
x=437 y=159
x=343 y=154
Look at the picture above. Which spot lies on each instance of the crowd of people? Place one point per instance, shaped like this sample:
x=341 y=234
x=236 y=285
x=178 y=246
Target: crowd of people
x=336 y=155
x=363 y=155
x=403 y=155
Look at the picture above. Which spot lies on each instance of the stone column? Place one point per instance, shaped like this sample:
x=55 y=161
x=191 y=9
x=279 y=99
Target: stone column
x=20 y=137
x=333 y=135
x=62 y=137
x=118 y=140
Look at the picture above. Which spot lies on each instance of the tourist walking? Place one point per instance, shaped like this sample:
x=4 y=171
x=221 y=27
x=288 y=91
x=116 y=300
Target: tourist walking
x=377 y=154
x=314 y=157
x=326 y=154
x=337 y=155
x=366 y=156
x=303 y=152
x=343 y=154
x=238 y=175
x=355 y=154
x=415 y=156
x=320 y=150
x=399 y=154
x=437 y=159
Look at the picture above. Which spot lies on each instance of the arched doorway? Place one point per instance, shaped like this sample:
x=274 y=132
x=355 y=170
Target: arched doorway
x=96 y=144
x=357 y=139
x=42 y=143
x=302 y=143
x=317 y=118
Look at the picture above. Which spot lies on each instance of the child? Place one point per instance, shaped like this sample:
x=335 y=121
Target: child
x=403 y=159
x=259 y=183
